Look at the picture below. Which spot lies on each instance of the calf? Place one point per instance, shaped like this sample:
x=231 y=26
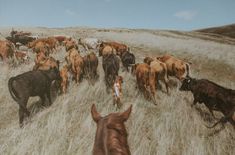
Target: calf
x=32 y=83
x=214 y=97
x=117 y=91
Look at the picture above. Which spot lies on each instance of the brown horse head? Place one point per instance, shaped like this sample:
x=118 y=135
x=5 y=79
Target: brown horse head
x=111 y=134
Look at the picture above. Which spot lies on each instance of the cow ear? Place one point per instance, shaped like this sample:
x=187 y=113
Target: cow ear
x=95 y=115
x=125 y=115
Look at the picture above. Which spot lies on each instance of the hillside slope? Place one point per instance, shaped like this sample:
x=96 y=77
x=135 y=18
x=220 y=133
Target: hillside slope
x=227 y=30
x=172 y=127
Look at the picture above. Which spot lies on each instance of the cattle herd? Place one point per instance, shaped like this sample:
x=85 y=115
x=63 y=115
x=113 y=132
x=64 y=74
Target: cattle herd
x=111 y=134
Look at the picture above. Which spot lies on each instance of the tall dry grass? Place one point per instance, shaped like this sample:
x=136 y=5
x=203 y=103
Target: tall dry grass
x=66 y=127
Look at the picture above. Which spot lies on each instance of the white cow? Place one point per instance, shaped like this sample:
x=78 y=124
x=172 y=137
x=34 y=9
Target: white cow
x=89 y=43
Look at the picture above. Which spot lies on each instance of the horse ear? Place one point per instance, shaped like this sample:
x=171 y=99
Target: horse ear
x=125 y=115
x=95 y=115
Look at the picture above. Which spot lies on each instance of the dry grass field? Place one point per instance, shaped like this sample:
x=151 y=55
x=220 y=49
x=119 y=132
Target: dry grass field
x=172 y=127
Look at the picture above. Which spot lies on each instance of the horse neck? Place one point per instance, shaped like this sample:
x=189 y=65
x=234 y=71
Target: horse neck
x=111 y=142
x=117 y=141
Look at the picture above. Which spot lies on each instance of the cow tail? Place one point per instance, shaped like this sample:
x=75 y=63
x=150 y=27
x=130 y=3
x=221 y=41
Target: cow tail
x=11 y=90
x=187 y=69
x=222 y=120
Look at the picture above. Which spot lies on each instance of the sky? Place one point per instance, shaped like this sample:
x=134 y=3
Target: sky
x=151 y=14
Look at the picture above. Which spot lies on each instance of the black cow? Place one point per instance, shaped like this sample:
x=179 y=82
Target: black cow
x=215 y=97
x=32 y=83
x=110 y=65
x=127 y=59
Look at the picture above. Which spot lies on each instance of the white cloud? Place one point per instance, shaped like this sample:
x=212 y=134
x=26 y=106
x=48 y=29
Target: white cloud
x=186 y=15
x=69 y=12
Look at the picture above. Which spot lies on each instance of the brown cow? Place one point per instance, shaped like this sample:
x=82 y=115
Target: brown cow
x=158 y=71
x=64 y=79
x=76 y=64
x=6 y=50
x=142 y=78
x=120 y=48
x=70 y=57
x=175 y=66
x=90 y=65
x=111 y=134
x=117 y=91
x=214 y=96
x=47 y=64
x=41 y=47
x=60 y=39
x=148 y=60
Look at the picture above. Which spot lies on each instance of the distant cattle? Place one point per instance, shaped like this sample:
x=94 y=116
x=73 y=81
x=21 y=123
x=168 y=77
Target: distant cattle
x=60 y=39
x=90 y=65
x=89 y=43
x=128 y=59
x=117 y=91
x=70 y=44
x=158 y=72
x=119 y=47
x=32 y=83
x=142 y=71
x=110 y=65
x=111 y=134
x=175 y=66
x=6 y=50
x=214 y=97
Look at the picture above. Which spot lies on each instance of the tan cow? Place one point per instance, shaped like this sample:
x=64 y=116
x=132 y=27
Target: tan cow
x=158 y=72
x=142 y=78
x=175 y=66
x=77 y=68
x=47 y=64
x=106 y=50
x=119 y=47
x=6 y=50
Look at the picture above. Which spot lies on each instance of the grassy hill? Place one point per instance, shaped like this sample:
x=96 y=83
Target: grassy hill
x=170 y=128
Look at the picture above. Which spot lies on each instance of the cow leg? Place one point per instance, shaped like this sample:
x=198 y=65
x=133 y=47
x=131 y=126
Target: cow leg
x=48 y=93
x=43 y=99
x=21 y=116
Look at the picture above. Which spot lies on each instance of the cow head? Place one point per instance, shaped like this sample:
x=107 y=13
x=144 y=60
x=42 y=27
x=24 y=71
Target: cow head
x=187 y=84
